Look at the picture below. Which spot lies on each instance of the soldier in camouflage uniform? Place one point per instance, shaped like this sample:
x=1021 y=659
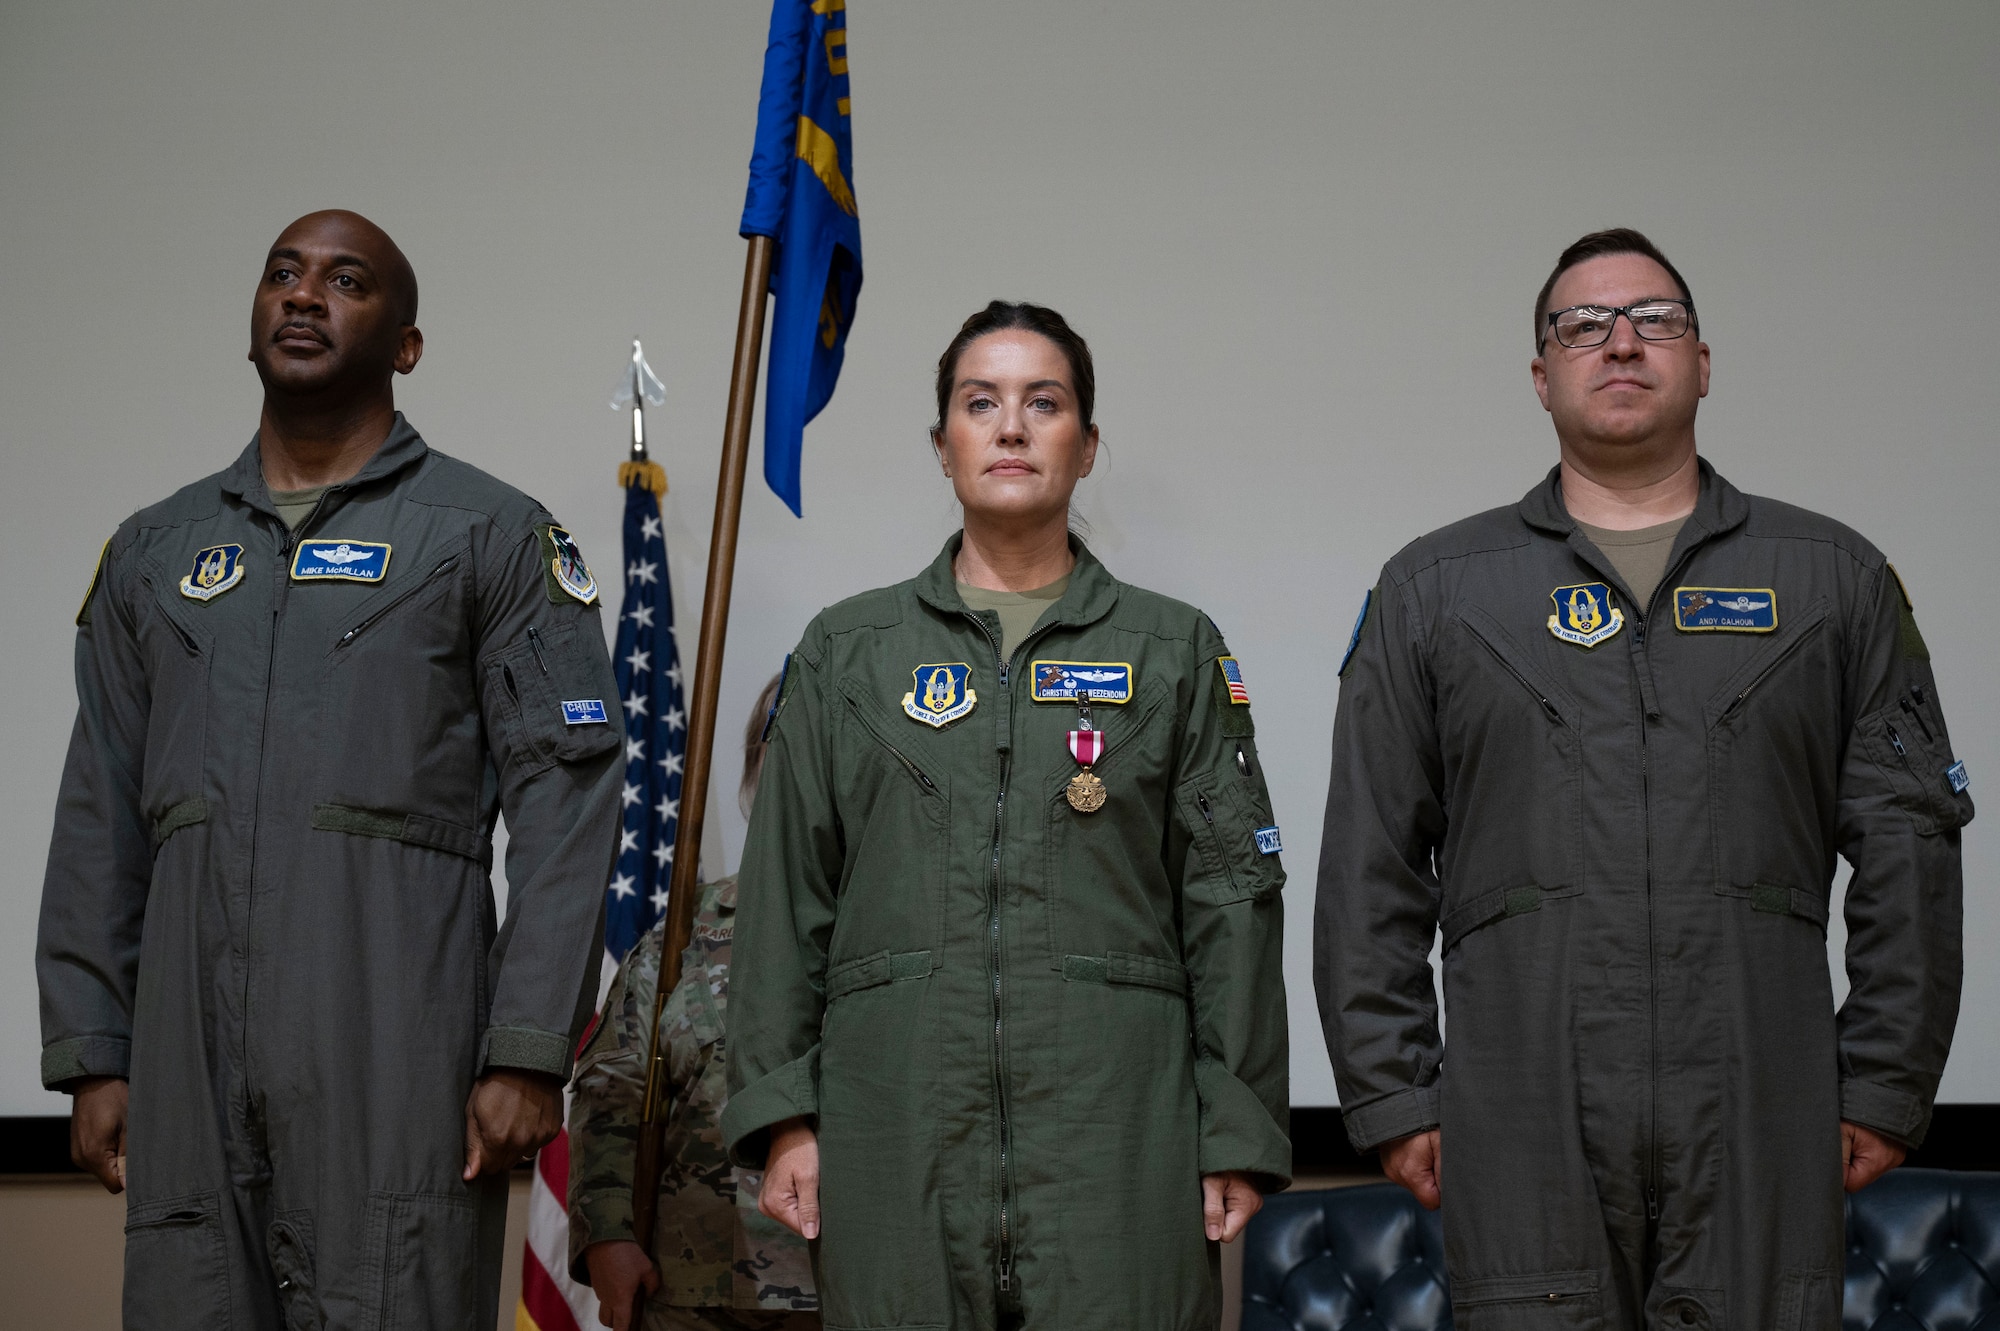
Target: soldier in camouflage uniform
x=721 y=1264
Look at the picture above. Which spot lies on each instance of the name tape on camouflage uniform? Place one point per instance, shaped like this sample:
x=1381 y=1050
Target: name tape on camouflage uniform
x=1584 y=614
x=1070 y=681
x=341 y=561
x=943 y=693
x=215 y=571
x=1725 y=609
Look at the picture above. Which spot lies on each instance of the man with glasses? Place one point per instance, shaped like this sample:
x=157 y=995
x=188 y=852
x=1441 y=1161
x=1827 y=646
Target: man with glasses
x=1609 y=741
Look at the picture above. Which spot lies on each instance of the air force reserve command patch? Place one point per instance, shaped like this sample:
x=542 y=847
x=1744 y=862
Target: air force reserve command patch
x=341 y=561
x=1080 y=681
x=1584 y=614
x=943 y=693
x=1725 y=609
x=215 y=571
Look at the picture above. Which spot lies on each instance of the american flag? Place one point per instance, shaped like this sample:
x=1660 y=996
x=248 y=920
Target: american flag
x=1232 y=675
x=649 y=685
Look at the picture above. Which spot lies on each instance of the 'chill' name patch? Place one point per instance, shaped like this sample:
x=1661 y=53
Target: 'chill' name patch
x=1090 y=681
x=943 y=693
x=584 y=712
x=1725 y=609
x=340 y=561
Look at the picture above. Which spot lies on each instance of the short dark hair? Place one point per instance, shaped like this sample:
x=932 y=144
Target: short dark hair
x=1617 y=240
x=1000 y=315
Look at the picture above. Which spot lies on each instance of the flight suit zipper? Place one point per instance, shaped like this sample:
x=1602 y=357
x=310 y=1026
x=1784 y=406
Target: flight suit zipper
x=1004 y=1125
x=348 y=637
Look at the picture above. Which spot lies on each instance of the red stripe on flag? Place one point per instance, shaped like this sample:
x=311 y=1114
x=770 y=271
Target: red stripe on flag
x=553 y=1163
x=542 y=1301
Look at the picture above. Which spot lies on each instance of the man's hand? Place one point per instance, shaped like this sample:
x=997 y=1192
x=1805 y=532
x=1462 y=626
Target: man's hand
x=97 y=1129
x=1228 y=1200
x=511 y=1114
x=1416 y=1162
x=1865 y=1156
x=791 y=1179
x=618 y=1269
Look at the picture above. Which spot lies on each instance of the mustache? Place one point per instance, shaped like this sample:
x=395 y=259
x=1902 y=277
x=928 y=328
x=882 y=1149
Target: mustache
x=307 y=327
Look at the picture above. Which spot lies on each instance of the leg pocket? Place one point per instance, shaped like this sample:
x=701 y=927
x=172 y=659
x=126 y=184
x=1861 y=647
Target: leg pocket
x=1540 y=1301
x=290 y=1242
x=423 y=1246
x=176 y=1265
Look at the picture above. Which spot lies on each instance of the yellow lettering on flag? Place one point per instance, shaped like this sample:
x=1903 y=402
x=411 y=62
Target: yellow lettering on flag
x=818 y=150
x=836 y=61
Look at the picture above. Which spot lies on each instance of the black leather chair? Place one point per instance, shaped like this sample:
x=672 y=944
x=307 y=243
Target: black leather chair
x=1923 y=1254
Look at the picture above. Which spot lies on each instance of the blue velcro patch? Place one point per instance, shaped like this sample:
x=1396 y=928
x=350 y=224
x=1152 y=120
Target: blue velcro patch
x=584 y=712
x=1956 y=774
x=343 y=561
x=1725 y=609
x=1092 y=681
x=1267 y=841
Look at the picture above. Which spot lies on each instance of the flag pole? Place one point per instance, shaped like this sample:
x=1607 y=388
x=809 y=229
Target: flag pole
x=682 y=887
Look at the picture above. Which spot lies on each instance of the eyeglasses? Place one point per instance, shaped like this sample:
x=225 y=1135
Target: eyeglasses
x=1582 y=326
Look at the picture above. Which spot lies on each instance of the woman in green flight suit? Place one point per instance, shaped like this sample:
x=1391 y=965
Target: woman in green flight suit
x=1008 y=1017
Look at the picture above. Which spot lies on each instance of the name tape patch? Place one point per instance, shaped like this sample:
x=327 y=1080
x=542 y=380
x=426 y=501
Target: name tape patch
x=1725 y=609
x=1957 y=776
x=1268 y=842
x=1068 y=681
x=341 y=561
x=215 y=571
x=584 y=712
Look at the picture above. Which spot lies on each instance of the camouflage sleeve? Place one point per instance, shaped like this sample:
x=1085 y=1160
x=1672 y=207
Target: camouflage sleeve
x=604 y=1115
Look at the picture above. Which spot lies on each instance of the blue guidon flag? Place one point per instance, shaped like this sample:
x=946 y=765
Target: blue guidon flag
x=649 y=688
x=802 y=195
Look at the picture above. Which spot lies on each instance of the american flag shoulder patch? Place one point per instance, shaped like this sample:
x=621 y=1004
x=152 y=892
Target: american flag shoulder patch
x=1232 y=678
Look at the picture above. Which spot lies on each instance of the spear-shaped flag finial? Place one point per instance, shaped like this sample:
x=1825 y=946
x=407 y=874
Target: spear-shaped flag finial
x=636 y=387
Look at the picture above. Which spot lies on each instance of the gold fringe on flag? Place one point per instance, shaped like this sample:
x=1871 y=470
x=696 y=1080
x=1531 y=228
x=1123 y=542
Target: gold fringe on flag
x=649 y=474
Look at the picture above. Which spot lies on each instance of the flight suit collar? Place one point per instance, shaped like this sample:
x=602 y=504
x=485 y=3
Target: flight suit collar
x=245 y=477
x=1091 y=593
x=1719 y=508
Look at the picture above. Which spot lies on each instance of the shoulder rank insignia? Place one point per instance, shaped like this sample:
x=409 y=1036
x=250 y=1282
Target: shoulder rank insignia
x=1725 y=609
x=1232 y=679
x=341 y=561
x=943 y=693
x=1080 y=681
x=215 y=571
x=567 y=574
x=1584 y=614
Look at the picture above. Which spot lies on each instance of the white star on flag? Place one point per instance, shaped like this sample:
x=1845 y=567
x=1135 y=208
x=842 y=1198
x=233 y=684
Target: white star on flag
x=674 y=718
x=629 y=796
x=621 y=886
x=645 y=571
x=649 y=528
x=628 y=839
x=636 y=704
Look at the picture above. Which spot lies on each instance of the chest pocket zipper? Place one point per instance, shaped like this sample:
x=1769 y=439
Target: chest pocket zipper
x=917 y=774
x=1761 y=670
x=1485 y=636
x=376 y=616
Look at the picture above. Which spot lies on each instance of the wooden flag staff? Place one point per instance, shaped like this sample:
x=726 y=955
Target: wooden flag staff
x=682 y=887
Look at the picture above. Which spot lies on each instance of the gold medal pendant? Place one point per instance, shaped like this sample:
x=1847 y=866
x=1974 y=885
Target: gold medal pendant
x=1085 y=792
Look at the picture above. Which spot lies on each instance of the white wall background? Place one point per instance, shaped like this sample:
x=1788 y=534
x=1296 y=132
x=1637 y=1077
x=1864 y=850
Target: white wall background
x=1304 y=239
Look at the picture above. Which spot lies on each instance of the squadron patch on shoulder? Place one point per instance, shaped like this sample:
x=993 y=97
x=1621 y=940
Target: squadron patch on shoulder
x=1232 y=679
x=943 y=693
x=1725 y=609
x=564 y=570
x=341 y=561
x=215 y=571
x=1584 y=614
x=1080 y=681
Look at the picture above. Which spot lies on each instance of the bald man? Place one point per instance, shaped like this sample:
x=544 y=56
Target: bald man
x=306 y=687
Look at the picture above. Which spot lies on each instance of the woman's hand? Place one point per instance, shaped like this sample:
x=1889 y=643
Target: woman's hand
x=619 y=1269
x=790 y=1194
x=1228 y=1200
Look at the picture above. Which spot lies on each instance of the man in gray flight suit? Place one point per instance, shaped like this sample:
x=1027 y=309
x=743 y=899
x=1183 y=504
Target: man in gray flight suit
x=1609 y=741
x=306 y=686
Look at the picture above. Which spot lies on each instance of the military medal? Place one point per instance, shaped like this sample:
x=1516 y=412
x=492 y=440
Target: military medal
x=1086 y=790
